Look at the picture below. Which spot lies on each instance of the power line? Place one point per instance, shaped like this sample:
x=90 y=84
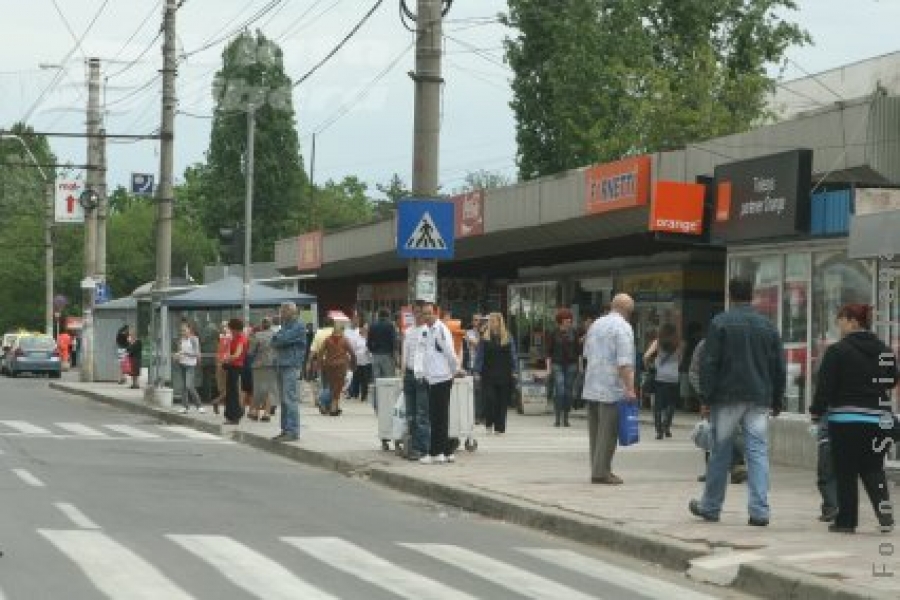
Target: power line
x=138 y=29
x=78 y=41
x=255 y=17
x=481 y=52
x=135 y=92
x=289 y=30
x=137 y=58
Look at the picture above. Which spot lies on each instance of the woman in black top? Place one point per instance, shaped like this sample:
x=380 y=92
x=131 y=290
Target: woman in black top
x=853 y=391
x=496 y=365
x=562 y=363
x=135 y=350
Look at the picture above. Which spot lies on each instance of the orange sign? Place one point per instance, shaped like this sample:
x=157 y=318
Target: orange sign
x=469 y=213
x=622 y=184
x=723 y=202
x=309 y=251
x=678 y=207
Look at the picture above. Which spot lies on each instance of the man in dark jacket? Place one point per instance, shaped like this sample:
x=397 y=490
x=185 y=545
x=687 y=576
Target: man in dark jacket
x=290 y=353
x=382 y=343
x=743 y=377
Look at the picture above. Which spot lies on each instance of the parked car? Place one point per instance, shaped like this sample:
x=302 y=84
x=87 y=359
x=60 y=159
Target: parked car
x=8 y=340
x=34 y=353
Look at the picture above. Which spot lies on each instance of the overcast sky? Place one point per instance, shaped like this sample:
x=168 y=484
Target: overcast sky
x=369 y=136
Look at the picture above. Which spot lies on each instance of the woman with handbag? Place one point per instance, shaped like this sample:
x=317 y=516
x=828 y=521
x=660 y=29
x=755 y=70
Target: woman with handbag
x=853 y=390
x=338 y=358
x=496 y=366
x=665 y=353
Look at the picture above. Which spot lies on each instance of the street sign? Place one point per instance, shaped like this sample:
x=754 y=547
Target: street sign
x=66 y=208
x=142 y=184
x=102 y=293
x=425 y=229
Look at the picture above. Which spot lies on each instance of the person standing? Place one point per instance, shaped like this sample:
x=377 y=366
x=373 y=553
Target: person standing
x=853 y=393
x=64 y=345
x=665 y=353
x=496 y=366
x=135 y=353
x=221 y=354
x=562 y=364
x=265 y=386
x=608 y=380
x=336 y=358
x=186 y=359
x=362 y=375
x=415 y=390
x=290 y=353
x=437 y=363
x=122 y=352
x=470 y=348
x=315 y=367
x=382 y=343
x=742 y=376
x=233 y=365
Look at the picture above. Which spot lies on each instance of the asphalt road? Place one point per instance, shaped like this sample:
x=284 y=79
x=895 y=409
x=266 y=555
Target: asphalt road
x=98 y=503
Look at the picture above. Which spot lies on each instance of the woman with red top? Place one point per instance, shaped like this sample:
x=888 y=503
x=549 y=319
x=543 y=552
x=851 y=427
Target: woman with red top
x=233 y=365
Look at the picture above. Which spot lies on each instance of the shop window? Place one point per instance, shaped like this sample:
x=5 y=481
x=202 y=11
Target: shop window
x=794 y=319
x=765 y=273
x=532 y=309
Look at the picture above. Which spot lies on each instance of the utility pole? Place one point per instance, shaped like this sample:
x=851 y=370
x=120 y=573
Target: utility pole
x=102 y=210
x=248 y=210
x=312 y=184
x=88 y=287
x=50 y=191
x=165 y=195
x=426 y=136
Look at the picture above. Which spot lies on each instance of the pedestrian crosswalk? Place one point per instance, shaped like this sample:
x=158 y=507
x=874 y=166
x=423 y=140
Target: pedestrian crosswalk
x=119 y=571
x=106 y=431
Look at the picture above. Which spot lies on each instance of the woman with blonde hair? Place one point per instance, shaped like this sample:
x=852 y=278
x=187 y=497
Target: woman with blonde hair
x=496 y=366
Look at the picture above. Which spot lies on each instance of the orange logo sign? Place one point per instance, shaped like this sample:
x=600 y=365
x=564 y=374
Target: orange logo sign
x=621 y=184
x=678 y=207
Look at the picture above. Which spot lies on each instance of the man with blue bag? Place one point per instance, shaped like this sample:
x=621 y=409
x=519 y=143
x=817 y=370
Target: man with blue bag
x=609 y=387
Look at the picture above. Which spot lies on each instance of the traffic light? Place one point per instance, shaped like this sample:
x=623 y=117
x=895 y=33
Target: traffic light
x=231 y=245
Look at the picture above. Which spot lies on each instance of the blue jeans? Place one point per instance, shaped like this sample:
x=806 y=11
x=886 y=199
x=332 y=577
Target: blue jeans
x=563 y=380
x=287 y=393
x=417 y=415
x=724 y=420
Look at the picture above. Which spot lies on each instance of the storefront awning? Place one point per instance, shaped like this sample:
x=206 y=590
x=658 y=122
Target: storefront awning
x=875 y=235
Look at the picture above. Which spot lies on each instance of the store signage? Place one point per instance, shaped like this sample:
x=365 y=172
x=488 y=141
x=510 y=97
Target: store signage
x=677 y=207
x=870 y=201
x=309 y=251
x=621 y=184
x=469 y=213
x=66 y=208
x=765 y=197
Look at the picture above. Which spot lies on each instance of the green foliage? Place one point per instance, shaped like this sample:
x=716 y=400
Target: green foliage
x=394 y=190
x=595 y=80
x=482 y=179
x=341 y=204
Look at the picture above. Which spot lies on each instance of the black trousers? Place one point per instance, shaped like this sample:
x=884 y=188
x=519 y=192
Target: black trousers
x=233 y=409
x=858 y=451
x=439 y=412
x=496 y=396
x=664 y=400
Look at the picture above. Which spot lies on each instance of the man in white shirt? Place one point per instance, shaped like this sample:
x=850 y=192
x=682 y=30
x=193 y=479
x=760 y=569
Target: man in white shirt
x=609 y=379
x=436 y=362
x=415 y=391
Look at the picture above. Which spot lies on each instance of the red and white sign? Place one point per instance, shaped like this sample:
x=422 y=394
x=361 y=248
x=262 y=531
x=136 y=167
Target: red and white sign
x=309 y=251
x=469 y=213
x=621 y=184
x=66 y=208
x=677 y=207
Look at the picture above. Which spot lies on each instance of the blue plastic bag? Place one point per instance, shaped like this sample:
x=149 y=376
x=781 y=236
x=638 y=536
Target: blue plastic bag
x=629 y=425
x=325 y=397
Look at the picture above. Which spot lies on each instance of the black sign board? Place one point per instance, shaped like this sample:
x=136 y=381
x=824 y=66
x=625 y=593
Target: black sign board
x=762 y=198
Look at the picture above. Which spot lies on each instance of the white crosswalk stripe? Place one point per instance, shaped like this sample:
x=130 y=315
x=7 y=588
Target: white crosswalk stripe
x=76 y=516
x=132 y=432
x=25 y=427
x=80 y=429
x=513 y=578
x=254 y=573
x=28 y=478
x=191 y=433
x=356 y=561
x=113 y=568
x=609 y=573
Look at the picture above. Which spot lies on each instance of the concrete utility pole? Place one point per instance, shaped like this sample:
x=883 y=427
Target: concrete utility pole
x=248 y=210
x=50 y=190
x=165 y=195
x=426 y=136
x=102 y=210
x=88 y=287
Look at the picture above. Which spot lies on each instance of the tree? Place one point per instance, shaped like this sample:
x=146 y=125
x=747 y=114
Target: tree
x=252 y=71
x=394 y=190
x=341 y=204
x=483 y=179
x=595 y=80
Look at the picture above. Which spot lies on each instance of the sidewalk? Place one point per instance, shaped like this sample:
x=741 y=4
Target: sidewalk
x=537 y=475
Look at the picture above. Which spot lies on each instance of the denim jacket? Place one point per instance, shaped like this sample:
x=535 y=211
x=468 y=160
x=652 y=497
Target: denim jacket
x=290 y=344
x=743 y=360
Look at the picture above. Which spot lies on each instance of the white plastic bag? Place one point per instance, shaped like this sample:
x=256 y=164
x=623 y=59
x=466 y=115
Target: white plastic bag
x=702 y=435
x=399 y=426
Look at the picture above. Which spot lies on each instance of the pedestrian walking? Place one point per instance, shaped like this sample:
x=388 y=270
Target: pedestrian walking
x=437 y=363
x=665 y=354
x=415 y=390
x=122 y=353
x=362 y=374
x=853 y=390
x=336 y=358
x=382 y=343
x=609 y=379
x=322 y=395
x=186 y=359
x=290 y=353
x=742 y=376
x=233 y=365
x=64 y=346
x=562 y=364
x=135 y=352
x=826 y=481
x=265 y=384
x=496 y=367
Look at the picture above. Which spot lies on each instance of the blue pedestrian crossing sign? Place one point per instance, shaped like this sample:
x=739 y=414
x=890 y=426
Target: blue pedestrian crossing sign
x=425 y=229
x=142 y=184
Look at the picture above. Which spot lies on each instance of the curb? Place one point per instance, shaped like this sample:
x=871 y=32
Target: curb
x=759 y=579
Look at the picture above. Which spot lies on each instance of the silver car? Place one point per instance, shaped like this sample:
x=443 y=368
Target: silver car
x=34 y=353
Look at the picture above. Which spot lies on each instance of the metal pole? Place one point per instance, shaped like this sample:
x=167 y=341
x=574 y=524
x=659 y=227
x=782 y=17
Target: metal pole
x=165 y=194
x=426 y=136
x=248 y=211
x=50 y=190
x=88 y=289
x=102 y=209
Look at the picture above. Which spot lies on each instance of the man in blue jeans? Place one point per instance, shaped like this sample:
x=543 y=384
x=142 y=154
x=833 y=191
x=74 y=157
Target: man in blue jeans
x=743 y=376
x=290 y=351
x=415 y=392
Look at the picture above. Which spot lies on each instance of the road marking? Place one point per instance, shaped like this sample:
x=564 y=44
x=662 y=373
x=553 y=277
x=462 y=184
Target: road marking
x=512 y=578
x=253 y=572
x=113 y=568
x=825 y=555
x=609 y=573
x=25 y=427
x=191 y=433
x=132 y=432
x=79 y=429
x=76 y=516
x=362 y=564
x=29 y=478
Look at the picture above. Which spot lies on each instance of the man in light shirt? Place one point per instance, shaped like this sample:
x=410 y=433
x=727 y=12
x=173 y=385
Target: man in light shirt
x=436 y=363
x=609 y=379
x=415 y=392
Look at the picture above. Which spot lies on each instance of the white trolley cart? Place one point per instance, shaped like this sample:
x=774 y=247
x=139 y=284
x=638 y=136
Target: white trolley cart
x=461 y=425
x=387 y=389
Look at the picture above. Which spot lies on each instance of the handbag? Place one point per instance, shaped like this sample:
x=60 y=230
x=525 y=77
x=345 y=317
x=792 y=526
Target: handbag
x=648 y=381
x=577 y=390
x=629 y=425
x=701 y=435
x=325 y=397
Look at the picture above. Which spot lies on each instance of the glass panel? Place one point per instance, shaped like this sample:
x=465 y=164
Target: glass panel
x=837 y=280
x=765 y=272
x=794 y=317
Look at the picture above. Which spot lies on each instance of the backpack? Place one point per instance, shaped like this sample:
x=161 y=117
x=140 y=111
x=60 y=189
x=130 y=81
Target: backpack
x=334 y=353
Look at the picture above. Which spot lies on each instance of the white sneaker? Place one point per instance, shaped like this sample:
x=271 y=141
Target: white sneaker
x=201 y=410
x=440 y=459
x=451 y=458
x=426 y=460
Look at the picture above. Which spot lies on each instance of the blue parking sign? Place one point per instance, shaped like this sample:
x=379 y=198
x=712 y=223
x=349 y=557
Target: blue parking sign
x=425 y=228
x=142 y=184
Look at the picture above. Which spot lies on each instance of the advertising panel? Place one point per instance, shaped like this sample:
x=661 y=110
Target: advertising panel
x=621 y=184
x=469 y=213
x=677 y=207
x=309 y=251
